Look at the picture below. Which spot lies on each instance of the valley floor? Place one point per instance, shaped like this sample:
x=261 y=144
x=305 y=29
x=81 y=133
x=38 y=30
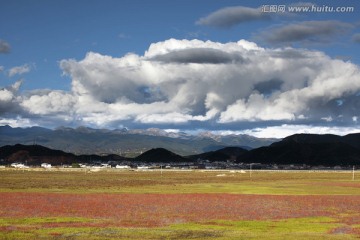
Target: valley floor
x=178 y=205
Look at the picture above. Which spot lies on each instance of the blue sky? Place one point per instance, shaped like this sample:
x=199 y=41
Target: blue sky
x=49 y=50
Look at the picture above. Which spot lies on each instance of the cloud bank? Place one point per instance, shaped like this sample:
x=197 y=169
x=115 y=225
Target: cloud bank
x=306 y=32
x=193 y=83
x=231 y=16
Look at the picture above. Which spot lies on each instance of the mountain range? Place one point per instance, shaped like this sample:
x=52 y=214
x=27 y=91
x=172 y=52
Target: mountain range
x=308 y=149
x=125 y=142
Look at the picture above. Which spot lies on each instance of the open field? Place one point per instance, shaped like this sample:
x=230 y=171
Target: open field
x=178 y=205
x=120 y=181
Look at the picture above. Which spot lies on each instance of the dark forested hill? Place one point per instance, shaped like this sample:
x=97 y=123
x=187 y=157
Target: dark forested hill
x=160 y=155
x=37 y=154
x=224 y=154
x=310 y=149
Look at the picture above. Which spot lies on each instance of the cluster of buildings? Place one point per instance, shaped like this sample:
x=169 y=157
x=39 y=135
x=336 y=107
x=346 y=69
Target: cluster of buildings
x=199 y=164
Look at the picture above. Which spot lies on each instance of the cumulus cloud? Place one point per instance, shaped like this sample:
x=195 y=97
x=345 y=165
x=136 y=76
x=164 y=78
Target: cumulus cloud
x=9 y=98
x=19 y=70
x=230 y=16
x=48 y=102
x=199 y=55
x=5 y=95
x=278 y=85
x=4 y=46
x=306 y=32
x=2 y=68
x=199 y=83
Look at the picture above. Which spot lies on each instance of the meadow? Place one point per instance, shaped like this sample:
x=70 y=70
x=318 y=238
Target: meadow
x=114 y=204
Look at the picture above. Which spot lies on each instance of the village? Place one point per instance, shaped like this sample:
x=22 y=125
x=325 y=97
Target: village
x=199 y=164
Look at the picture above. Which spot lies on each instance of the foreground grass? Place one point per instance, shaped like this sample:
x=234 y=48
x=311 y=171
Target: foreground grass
x=283 y=183
x=302 y=228
x=341 y=221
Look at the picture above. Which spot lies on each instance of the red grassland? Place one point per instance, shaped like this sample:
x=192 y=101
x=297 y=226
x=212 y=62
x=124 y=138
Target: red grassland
x=151 y=210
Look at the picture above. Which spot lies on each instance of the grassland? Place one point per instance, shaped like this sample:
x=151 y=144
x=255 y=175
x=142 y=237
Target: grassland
x=178 y=205
x=115 y=181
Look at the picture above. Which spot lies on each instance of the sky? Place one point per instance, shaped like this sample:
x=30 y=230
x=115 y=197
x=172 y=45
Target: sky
x=264 y=68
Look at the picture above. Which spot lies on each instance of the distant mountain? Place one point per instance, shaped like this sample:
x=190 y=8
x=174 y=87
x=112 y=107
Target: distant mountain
x=124 y=142
x=310 y=139
x=310 y=149
x=160 y=155
x=224 y=154
x=36 y=154
x=350 y=139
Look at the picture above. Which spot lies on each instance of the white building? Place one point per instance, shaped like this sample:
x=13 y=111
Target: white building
x=46 y=165
x=142 y=167
x=105 y=165
x=122 y=167
x=19 y=165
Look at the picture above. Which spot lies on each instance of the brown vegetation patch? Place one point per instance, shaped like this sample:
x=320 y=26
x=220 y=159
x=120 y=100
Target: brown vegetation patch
x=148 y=210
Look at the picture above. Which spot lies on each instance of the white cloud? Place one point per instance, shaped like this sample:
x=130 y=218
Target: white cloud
x=287 y=130
x=9 y=93
x=256 y=108
x=9 y=99
x=6 y=95
x=49 y=103
x=19 y=70
x=17 y=122
x=164 y=118
x=172 y=83
x=2 y=68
